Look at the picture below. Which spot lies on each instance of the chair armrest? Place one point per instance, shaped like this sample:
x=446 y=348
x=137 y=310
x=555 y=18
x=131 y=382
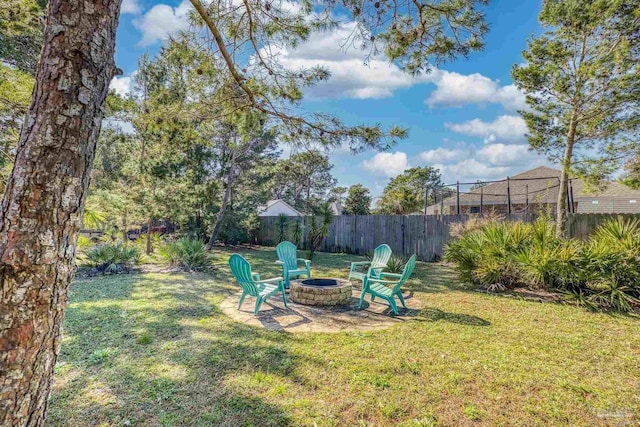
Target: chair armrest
x=255 y=276
x=275 y=279
x=361 y=263
x=306 y=261
x=379 y=266
x=383 y=274
x=384 y=282
x=279 y=262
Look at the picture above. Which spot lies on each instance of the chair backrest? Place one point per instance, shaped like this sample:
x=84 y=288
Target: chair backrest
x=241 y=269
x=406 y=273
x=381 y=256
x=288 y=254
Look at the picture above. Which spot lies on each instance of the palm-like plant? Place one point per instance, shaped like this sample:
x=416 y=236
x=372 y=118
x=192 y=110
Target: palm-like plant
x=603 y=272
x=297 y=233
x=113 y=258
x=318 y=231
x=188 y=253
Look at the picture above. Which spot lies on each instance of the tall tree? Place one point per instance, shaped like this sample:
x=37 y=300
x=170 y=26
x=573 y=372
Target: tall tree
x=243 y=145
x=406 y=193
x=337 y=194
x=358 y=200
x=44 y=200
x=304 y=180
x=582 y=81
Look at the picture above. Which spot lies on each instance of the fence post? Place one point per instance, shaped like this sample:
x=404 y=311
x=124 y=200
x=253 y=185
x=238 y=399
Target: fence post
x=573 y=208
x=458 y=197
x=509 y=197
x=442 y=203
x=481 y=200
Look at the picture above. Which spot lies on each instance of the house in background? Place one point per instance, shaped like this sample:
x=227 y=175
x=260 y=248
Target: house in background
x=536 y=191
x=278 y=207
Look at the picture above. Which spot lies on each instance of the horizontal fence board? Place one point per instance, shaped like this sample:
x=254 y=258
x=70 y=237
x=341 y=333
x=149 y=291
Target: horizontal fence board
x=425 y=236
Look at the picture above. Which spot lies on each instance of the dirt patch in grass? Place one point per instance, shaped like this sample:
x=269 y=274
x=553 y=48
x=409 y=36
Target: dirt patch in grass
x=304 y=318
x=534 y=295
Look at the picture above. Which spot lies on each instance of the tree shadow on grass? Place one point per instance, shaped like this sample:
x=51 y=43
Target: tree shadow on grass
x=430 y=314
x=153 y=351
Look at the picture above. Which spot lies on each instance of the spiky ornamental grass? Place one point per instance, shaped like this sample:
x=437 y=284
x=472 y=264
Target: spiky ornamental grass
x=601 y=273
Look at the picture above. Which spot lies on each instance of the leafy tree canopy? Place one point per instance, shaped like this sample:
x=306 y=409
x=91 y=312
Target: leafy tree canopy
x=405 y=193
x=304 y=180
x=582 y=83
x=358 y=200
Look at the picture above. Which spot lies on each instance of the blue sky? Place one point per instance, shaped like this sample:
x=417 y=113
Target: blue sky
x=462 y=117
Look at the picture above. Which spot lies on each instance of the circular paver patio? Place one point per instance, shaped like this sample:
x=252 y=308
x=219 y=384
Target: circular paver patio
x=304 y=318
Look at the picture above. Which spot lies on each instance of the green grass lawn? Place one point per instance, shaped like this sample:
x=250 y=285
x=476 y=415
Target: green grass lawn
x=154 y=349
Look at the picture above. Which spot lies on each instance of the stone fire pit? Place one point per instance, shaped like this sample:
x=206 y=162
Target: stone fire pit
x=320 y=291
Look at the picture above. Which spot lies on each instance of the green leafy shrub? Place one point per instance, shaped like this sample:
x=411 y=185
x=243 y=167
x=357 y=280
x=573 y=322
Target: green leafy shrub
x=611 y=266
x=83 y=246
x=283 y=224
x=113 y=257
x=395 y=264
x=602 y=273
x=297 y=232
x=187 y=253
x=251 y=224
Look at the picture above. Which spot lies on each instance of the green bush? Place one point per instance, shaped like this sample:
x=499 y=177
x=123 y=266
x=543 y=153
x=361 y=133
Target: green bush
x=603 y=272
x=395 y=264
x=612 y=266
x=113 y=257
x=187 y=253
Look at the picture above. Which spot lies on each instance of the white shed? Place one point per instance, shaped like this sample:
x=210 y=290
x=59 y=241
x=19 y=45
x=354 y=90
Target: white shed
x=278 y=207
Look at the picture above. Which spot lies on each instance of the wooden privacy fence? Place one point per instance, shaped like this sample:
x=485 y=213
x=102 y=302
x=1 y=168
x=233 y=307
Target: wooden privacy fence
x=579 y=226
x=425 y=236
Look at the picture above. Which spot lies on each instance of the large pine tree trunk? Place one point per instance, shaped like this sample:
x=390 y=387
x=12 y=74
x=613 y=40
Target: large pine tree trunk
x=44 y=200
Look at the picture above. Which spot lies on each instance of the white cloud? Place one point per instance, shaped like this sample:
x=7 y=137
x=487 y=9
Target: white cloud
x=130 y=6
x=471 y=170
x=470 y=162
x=505 y=128
x=387 y=164
x=350 y=76
x=122 y=85
x=442 y=155
x=455 y=90
x=506 y=154
x=161 y=21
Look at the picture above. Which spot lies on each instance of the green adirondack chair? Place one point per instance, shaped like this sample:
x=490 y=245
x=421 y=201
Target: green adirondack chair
x=381 y=256
x=387 y=286
x=252 y=285
x=288 y=258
